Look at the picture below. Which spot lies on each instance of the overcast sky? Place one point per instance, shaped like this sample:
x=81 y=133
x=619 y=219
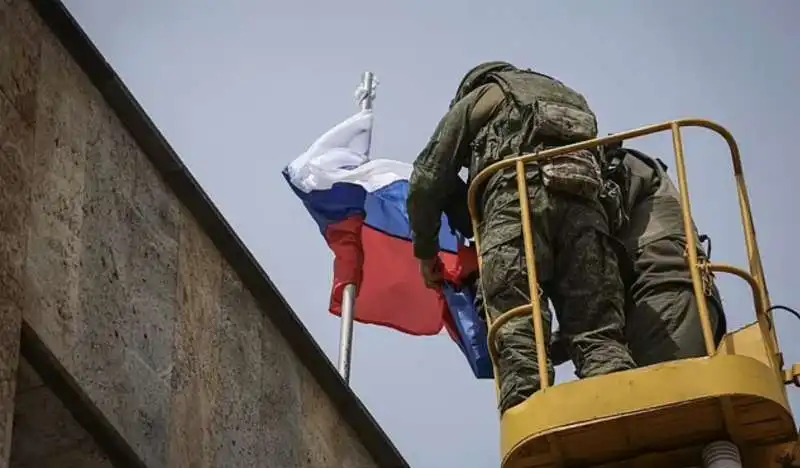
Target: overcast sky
x=241 y=87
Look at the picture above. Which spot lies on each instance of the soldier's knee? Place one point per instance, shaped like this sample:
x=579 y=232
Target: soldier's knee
x=502 y=273
x=517 y=334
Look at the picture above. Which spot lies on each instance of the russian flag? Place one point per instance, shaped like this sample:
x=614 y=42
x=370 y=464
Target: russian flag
x=360 y=207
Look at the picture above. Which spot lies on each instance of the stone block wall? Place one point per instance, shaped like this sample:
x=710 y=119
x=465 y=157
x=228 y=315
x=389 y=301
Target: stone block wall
x=45 y=433
x=121 y=283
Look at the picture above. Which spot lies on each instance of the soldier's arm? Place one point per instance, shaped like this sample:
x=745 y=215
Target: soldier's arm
x=456 y=207
x=434 y=180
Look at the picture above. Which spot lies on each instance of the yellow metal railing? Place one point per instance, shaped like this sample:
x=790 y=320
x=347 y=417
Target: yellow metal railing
x=754 y=278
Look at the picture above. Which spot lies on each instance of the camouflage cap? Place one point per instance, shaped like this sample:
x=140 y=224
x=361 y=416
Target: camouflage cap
x=477 y=76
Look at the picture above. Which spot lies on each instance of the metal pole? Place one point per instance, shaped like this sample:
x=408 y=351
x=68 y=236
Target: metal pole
x=366 y=90
x=367 y=84
x=346 y=331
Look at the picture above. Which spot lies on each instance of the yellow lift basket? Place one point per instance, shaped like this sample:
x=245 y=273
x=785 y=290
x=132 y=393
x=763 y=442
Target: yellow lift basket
x=665 y=414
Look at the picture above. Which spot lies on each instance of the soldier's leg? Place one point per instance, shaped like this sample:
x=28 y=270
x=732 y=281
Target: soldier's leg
x=665 y=326
x=504 y=283
x=663 y=321
x=587 y=291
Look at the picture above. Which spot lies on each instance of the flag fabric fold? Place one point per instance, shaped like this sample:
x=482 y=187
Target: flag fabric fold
x=461 y=318
x=359 y=206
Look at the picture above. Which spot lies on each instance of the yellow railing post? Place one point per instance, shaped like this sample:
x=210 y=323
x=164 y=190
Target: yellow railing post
x=533 y=282
x=691 y=241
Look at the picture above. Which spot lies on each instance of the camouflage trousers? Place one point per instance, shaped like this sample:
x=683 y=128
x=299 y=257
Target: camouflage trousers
x=578 y=272
x=663 y=322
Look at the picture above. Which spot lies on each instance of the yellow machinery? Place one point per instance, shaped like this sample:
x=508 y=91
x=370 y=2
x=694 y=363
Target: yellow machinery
x=665 y=414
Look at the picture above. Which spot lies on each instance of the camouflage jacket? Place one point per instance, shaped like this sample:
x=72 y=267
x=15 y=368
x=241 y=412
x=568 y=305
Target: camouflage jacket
x=514 y=113
x=435 y=183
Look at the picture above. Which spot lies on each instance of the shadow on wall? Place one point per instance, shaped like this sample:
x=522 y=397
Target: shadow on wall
x=45 y=433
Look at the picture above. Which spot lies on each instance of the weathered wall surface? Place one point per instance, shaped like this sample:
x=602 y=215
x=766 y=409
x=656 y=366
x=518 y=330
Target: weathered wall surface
x=45 y=433
x=121 y=283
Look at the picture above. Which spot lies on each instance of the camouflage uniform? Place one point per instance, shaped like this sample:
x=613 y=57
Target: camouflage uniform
x=663 y=322
x=502 y=112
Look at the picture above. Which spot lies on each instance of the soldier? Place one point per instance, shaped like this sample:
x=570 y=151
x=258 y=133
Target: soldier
x=499 y=112
x=663 y=322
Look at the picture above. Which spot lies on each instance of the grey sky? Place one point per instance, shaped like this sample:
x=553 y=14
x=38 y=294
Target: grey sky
x=241 y=87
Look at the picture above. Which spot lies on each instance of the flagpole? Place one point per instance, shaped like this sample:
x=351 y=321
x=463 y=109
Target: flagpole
x=366 y=94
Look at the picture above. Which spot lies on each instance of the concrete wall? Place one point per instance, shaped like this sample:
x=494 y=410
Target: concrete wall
x=124 y=287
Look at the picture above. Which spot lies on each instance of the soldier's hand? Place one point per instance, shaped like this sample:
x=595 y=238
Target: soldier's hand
x=431 y=270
